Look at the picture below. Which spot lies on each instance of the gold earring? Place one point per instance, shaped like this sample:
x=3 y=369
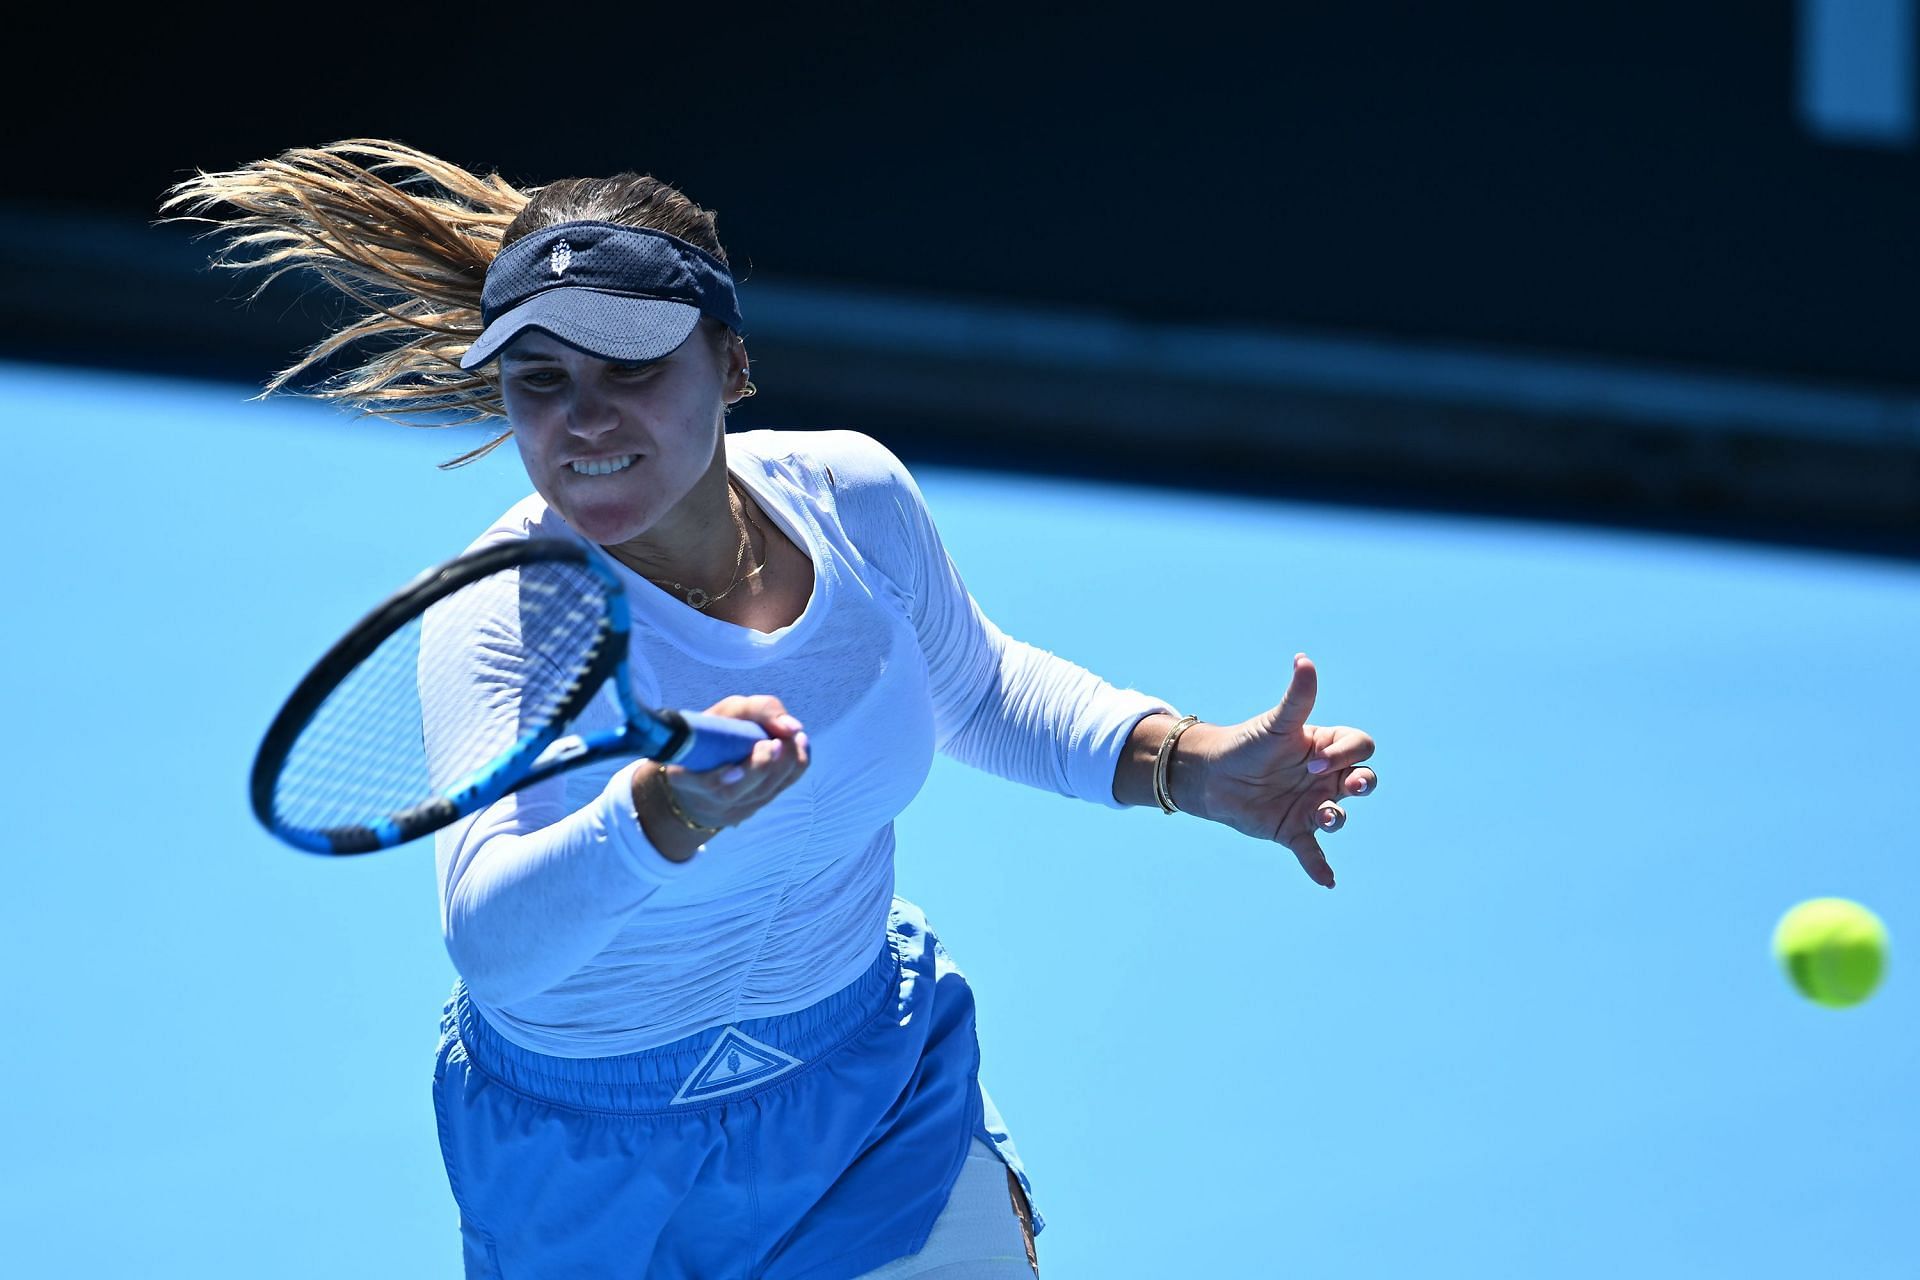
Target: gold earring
x=749 y=391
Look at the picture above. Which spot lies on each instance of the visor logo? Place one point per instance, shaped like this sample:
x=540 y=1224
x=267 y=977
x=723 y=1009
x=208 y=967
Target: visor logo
x=561 y=258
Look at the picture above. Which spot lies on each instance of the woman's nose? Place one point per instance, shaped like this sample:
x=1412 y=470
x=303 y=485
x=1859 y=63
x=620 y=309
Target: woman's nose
x=590 y=414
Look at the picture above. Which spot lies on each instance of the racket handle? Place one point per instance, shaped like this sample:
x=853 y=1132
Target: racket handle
x=715 y=740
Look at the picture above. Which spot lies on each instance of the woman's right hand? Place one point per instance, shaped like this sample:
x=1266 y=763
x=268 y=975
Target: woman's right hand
x=727 y=795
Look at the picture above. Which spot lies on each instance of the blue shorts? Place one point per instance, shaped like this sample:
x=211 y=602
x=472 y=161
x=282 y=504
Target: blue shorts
x=821 y=1143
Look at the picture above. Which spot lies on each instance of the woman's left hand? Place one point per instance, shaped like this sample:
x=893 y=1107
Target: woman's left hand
x=1276 y=776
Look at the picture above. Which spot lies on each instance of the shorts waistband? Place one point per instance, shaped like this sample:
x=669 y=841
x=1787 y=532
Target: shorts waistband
x=707 y=1068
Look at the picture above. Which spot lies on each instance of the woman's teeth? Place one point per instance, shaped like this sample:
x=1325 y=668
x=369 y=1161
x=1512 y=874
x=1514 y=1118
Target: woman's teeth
x=604 y=466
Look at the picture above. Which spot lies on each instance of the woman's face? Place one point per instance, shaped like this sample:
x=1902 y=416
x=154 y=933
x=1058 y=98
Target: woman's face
x=613 y=447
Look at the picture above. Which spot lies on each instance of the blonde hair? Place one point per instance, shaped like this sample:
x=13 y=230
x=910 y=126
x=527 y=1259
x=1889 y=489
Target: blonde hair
x=406 y=237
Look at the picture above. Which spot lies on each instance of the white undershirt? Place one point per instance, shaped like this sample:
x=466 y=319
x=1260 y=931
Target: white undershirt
x=576 y=938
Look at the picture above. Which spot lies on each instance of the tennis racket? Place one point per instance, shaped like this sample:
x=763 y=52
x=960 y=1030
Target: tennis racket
x=456 y=691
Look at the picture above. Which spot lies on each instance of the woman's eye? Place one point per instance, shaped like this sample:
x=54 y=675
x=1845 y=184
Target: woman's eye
x=539 y=378
x=632 y=370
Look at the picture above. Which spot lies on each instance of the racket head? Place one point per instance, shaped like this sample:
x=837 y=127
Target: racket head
x=344 y=767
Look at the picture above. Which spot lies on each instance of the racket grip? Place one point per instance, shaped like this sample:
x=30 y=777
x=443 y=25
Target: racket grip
x=715 y=740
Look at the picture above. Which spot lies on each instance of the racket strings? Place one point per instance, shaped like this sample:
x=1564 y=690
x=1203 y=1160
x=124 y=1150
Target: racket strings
x=445 y=696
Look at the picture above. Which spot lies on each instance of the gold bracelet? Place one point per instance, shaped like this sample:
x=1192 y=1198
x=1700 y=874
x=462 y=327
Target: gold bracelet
x=666 y=790
x=1163 y=761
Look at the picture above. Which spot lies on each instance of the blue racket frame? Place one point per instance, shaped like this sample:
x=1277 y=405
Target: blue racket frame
x=694 y=740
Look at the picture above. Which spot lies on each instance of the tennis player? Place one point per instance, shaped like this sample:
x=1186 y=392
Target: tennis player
x=695 y=1032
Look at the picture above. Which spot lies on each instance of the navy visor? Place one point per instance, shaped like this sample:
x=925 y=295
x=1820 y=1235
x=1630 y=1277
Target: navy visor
x=617 y=292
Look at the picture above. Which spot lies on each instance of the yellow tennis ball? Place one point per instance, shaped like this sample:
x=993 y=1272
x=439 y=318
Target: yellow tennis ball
x=1832 y=949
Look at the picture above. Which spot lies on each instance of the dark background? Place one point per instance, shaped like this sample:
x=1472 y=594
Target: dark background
x=1631 y=186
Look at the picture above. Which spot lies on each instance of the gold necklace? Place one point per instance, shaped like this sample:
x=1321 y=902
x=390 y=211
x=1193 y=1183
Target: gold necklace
x=701 y=599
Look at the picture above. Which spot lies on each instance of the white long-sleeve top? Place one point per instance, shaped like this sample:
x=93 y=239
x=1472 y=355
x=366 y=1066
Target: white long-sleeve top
x=577 y=938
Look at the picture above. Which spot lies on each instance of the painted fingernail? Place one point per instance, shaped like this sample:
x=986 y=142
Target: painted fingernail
x=800 y=741
x=734 y=774
x=1361 y=786
x=1318 y=766
x=773 y=752
x=789 y=724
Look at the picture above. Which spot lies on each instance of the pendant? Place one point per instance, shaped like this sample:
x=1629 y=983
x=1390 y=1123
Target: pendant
x=698 y=598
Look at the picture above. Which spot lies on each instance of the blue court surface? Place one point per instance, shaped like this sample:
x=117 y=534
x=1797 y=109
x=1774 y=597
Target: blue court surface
x=1536 y=1031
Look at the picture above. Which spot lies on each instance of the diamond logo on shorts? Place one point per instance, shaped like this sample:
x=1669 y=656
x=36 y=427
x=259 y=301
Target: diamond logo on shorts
x=561 y=258
x=736 y=1062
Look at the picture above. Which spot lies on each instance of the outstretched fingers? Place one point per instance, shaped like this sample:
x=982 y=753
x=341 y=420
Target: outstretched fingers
x=1332 y=758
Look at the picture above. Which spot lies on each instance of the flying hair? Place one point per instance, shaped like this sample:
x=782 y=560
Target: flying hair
x=407 y=238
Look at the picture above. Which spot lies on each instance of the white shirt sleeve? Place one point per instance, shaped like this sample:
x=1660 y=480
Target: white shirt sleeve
x=535 y=885
x=999 y=704
x=529 y=893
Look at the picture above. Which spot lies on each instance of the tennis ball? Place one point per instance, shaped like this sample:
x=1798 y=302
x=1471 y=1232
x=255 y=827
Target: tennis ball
x=1832 y=949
